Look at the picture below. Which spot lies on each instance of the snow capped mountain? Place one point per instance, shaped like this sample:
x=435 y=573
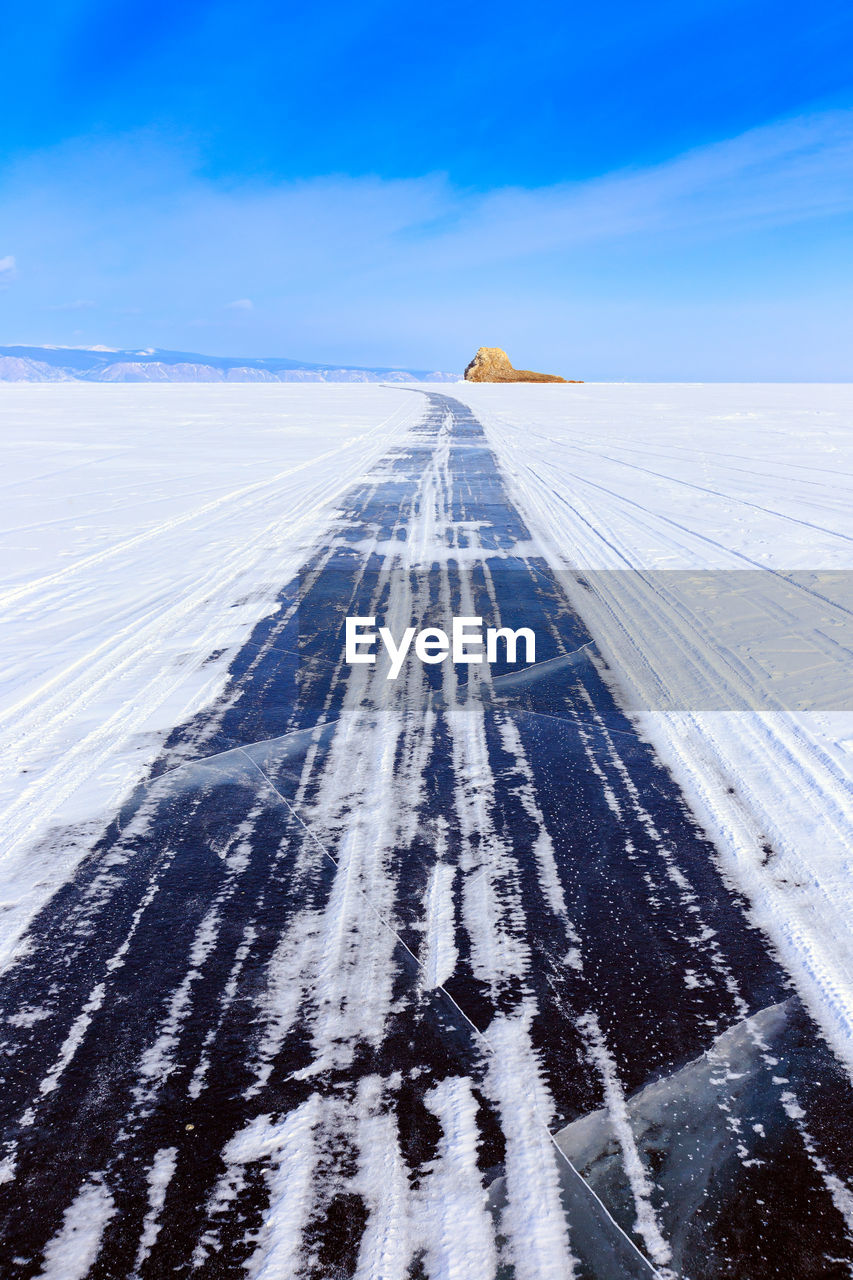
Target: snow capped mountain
x=22 y=369
x=105 y=364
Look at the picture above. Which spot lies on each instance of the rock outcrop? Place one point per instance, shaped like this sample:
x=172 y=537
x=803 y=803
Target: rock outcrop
x=491 y=364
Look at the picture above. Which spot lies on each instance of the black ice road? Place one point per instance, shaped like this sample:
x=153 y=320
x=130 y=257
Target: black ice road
x=427 y=977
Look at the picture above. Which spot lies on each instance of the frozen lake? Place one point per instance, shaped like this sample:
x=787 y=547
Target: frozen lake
x=428 y=977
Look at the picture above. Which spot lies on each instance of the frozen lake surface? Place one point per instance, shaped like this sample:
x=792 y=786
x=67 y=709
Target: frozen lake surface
x=430 y=977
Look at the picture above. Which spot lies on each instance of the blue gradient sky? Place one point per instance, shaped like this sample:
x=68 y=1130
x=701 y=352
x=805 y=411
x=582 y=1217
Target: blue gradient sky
x=658 y=191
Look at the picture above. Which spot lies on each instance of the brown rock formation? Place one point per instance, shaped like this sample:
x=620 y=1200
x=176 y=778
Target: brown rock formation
x=490 y=364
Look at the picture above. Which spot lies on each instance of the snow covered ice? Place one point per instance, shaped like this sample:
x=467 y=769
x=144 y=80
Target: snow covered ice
x=469 y=973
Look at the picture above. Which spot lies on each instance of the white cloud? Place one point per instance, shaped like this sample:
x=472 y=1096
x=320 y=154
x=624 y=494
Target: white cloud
x=778 y=175
x=80 y=304
x=241 y=304
x=7 y=265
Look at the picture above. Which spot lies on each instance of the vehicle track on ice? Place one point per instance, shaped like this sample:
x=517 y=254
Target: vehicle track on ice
x=420 y=978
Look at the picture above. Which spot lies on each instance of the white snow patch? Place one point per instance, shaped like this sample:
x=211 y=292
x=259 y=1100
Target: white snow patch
x=159 y=1176
x=533 y=1220
x=439 y=953
x=646 y=1225
x=383 y=1179
x=458 y=1227
x=73 y=1250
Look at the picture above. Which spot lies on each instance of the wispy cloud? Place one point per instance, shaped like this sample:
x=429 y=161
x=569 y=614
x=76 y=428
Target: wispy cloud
x=782 y=174
x=81 y=304
x=7 y=267
x=240 y=304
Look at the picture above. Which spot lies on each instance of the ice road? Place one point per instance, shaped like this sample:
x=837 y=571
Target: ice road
x=431 y=977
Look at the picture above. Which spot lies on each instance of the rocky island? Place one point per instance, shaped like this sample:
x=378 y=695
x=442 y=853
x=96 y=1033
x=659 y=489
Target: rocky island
x=491 y=364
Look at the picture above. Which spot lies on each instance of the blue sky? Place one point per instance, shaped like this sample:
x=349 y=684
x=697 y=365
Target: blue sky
x=619 y=190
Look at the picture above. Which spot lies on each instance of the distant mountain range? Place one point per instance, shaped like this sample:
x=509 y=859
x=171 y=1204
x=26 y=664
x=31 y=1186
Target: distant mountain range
x=104 y=364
